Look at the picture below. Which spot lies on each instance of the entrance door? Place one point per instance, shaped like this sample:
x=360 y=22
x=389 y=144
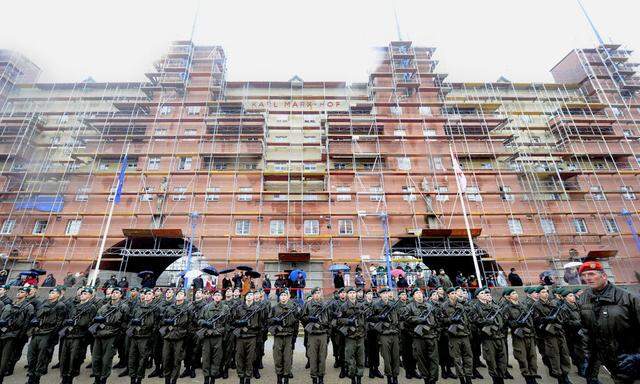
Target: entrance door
x=314 y=271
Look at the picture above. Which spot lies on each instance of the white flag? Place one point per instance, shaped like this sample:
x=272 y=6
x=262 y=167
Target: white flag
x=460 y=177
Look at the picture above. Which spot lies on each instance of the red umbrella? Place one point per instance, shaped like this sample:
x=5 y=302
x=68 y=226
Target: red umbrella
x=397 y=272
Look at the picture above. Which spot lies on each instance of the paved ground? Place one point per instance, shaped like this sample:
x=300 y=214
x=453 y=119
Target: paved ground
x=268 y=376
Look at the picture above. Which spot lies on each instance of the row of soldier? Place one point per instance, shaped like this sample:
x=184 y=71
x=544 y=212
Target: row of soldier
x=428 y=333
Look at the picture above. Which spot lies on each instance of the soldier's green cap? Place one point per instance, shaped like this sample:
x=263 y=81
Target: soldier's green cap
x=86 y=289
x=218 y=292
x=351 y=289
x=480 y=290
x=316 y=289
x=55 y=289
x=62 y=288
x=285 y=291
x=340 y=290
x=6 y=286
x=146 y=290
x=384 y=289
x=26 y=289
x=527 y=289
x=116 y=289
x=539 y=288
x=452 y=289
x=402 y=292
x=508 y=291
x=414 y=291
x=564 y=292
x=199 y=290
x=134 y=289
x=576 y=290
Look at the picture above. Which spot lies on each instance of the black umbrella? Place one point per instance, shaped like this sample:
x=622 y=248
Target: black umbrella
x=244 y=268
x=225 y=271
x=253 y=274
x=28 y=273
x=145 y=273
x=211 y=270
x=39 y=272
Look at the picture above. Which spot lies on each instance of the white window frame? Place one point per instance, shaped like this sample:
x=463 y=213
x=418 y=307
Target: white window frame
x=40 y=227
x=515 y=226
x=276 y=227
x=82 y=194
x=310 y=166
x=425 y=110
x=404 y=163
x=73 y=227
x=311 y=227
x=193 y=110
x=181 y=196
x=505 y=193
x=245 y=196
x=8 y=225
x=580 y=225
x=442 y=193
x=211 y=194
x=547 y=225
x=345 y=227
x=185 y=163
x=395 y=110
x=343 y=189
x=190 y=132
x=596 y=193
x=153 y=163
x=281 y=167
x=436 y=164
x=165 y=110
x=408 y=191
x=473 y=193
x=627 y=192
x=429 y=132
x=243 y=227
x=611 y=225
x=376 y=193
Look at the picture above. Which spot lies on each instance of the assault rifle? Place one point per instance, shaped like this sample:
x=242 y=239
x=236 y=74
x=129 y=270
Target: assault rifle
x=523 y=319
x=136 y=327
x=312 y=325
x=549 y=323
x=207 y=326
x=170 y=322
x=422 y=328
x=377 y=326
x=246 y=319
x=100 y=324
x=491 y=323
x=456 y=318
x=70 y=323
x=278 y=322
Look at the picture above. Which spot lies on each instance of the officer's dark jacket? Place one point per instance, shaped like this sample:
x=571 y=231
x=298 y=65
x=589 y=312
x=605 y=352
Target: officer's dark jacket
x=611 y=318
x=288 y=312
x=17 y=316
x=180 y=315
x=50 y=316
x=83 y=314
x=115 y=322
x=148 y=316
x=352 y=311
x=322 y=312
x=422 y=319
x=214 y=311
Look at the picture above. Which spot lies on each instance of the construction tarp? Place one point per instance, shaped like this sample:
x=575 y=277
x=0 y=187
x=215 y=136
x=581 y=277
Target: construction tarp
x=41 y=203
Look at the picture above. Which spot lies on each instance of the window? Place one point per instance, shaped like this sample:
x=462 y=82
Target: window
x=627 y=193
x=596 y=193
x=526 y=119
x=245 y=196
x=400 y=132
x=311 y=227
x=310 y=139
x=505 y=193
x=611 y=225
x=340 y=166
x=280 y=139
x=181 y=196
x=154 y=163
x=63 y=119
x=442 y=194
x=190 y=132
x=146 y=197
x=343 y=197
x=404 y=163
x=515 y=226
x=429 y=132
x=212 y=194
x=161 y=131
x=473 y=194
x=345 y=226
x=82 y=194
x=7 y=226
x=309 y=119
x=73 y=227
x=165 y=110
x=580 y=225
x=375 y=193
x=112 y=193
x=276 y=227
x=616 y=111
x=408 y=190
x=243 y=227
x=436 y=163
x=309 y=167
x=40 y=227
x=396 y=110
x=282 y=119
x=547 y=226
x=184 y=163
x=627 y=133
x=193 y=110
x=424 y=110
x=281 y=166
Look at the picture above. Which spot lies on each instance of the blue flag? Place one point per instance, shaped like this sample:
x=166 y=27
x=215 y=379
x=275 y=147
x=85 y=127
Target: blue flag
x=123 y=168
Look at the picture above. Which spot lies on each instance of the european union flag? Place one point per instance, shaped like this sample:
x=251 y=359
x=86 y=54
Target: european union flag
x=123 y=168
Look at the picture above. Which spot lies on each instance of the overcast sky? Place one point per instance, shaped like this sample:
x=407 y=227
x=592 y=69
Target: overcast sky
x=477 y=40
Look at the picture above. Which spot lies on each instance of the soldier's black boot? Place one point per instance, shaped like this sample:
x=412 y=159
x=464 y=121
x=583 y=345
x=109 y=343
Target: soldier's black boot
x=451 y=374
x=56 y=365
x=156 y=372
x=320 y=379
x=476 y=374
x=507 y=375
x=358 y=380
x=353 y=380
x=285 y=380
x=463 y=381
x=124 y=373
x=278 y=379
x=184 y=373
x=133 y=380
x=225 y=373
x=467 y=380
x=314 y=380
x=96 y=380
x=256 y=372
x=371 y=374
x=389 y=380
x=566 y=379
x=343 y=373
x=192 y=372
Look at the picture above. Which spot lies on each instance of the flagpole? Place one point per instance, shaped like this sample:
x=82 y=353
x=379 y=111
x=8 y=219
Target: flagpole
x=476 y=266
x=116 y=198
